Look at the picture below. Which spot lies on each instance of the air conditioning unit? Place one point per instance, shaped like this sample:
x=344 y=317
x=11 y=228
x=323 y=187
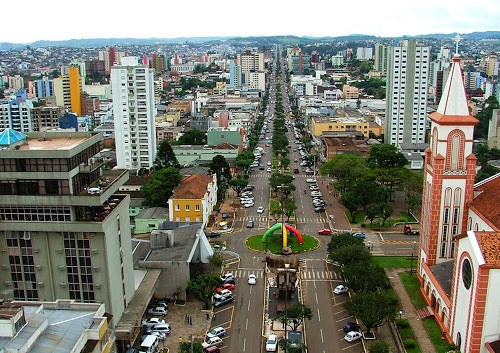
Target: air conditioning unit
x=98 y=285
x=62 y=268
x=95 y=268
x=39 y=267
x=60 y=251
x=95 y=251
x=63 y=284
x=7 y=283
x=40 y=284
x=36 y=250
x=5 y=267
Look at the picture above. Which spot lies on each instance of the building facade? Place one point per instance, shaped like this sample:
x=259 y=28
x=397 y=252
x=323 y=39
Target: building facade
x=16 y=114
x=381 y=56
x=134 y=114
x=406 y=92
x=46 y=118
x=65 y=230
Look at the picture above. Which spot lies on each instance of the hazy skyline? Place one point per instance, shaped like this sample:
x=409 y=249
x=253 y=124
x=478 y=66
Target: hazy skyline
x=60 y=20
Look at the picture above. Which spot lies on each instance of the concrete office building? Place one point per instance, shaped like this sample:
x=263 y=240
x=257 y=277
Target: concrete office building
x=406 y=92
x=16 y=82
x=64 y=232
x=134 y=114
x=252 y=69
x=235 y=74
x=15 y=114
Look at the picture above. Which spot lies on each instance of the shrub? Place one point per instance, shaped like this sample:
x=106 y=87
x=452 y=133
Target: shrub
x=379 y=347
x=363 y=225
x=403 y=323
x=409 y=343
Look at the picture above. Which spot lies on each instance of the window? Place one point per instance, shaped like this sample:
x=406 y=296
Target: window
x=466 y=273
x=177 y=207
x=197 y=207
x=187 y=208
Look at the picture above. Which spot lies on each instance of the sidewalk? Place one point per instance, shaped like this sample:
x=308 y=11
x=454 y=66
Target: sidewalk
x=409 y=312
x=333 y=205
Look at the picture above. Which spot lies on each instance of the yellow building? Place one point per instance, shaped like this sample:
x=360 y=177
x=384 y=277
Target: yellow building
x=321 y=124
x=219 y=86
x=75 y=90
x=350 y=92
x=193 y=199
x=172 y=116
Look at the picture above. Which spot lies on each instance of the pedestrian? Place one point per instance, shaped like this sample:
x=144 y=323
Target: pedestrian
x=190 y=320
x=207 y=316
x=180 y=339
x=213 y=318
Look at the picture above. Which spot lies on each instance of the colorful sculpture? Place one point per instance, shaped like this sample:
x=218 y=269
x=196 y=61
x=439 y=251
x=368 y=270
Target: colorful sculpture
x=285 y=229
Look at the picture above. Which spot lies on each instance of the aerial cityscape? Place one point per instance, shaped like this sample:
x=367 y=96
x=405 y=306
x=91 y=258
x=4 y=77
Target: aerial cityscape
x=290 y=188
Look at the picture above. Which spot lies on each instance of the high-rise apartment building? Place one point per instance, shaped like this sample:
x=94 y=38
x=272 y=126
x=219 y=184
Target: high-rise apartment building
x=64 y=232
x=406 y=92
x=134 y=114
x=46 y=118
x=235 y=74
x=251 y=61
x=67 y=89
x=16 y=82
x=297 y=61
x=15 y=114
x=251 y=66
x=381 y=55
x=364 y=53
x=43 y=88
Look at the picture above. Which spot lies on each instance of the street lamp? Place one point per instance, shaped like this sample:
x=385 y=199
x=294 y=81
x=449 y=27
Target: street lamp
x=400 y=313
x=411 y=261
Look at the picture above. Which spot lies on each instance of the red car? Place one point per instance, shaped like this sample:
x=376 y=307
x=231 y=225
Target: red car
x=225 y=286
x=324 y=232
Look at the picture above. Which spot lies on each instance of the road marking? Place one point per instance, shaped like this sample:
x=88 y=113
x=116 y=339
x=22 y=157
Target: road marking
x=244 y=344
x=353 y=345
x=251 y=289
x=246 y=325
x=316 y=294
x=229 y=307
x=345 y=318
x=381 y=237
x=248 y=309
x=319 y=316
x=321 y=333
x=338 y=312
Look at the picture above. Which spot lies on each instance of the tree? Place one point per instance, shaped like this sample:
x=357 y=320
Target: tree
x=297 y=312
x=346 y=168
x=372 y=211
x=385 y=156
x=366 y=277
x=276 y=214
x=412 y=184
x=366 y=191
x=291 y=347
x=244 y=160
x=203 y=287
x=185 y=347
x=372 y=308
x=351 y=203
x=350 y=255
x=289 y=208
x=238 y=184
x=215 y=260
x=193 y=137
x=386 y=211
x=159 y=187
x=343 y=240
x=220 y=167
x=165 y=157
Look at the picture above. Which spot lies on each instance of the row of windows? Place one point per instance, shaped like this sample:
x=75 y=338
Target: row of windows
x=35 y=214
x=187 y=207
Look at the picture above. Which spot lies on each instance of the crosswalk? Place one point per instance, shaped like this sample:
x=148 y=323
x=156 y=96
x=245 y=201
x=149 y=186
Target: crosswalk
x=244 y=273
x=319 y=275
x=297 y=220
x=396 y=242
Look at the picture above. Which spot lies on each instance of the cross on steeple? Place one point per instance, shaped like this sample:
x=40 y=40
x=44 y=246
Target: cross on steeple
x=457 y=39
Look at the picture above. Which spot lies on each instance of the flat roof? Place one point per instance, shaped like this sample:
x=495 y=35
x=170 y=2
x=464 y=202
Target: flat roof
x=153 y=213
x=49 y=144
x=184 y=240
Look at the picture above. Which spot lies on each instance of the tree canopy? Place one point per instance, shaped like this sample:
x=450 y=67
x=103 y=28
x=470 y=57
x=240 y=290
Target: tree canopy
x=165 y=156
x=159 y=187
x=193 y=137
x=372 y=308
x=385 y=156
x=297 y=312
x=203 y=287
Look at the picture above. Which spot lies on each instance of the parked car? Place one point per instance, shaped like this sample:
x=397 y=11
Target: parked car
x=217 y=332
x=161 y=336
x=352 y=336
x=310 y=181
x=157 y=310
x=319 y=209
x=213 y=234
x=248 y=204
x=260 y=209
x=313 y=187
x=151 y=322
x=340 y=289
x=359 y=235
x=351 y=326
x=225 y=286
x=324 y=232
x=272 y=343
x=163 y=328
x=225 y=293
x=250 y=224
x=252 y=279
x=211 y=342
x=229 y=281
x=269 y=169
x=223 y=301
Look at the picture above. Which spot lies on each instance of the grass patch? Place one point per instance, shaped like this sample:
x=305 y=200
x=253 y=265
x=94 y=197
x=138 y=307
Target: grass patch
x=274 y=205
x=275 y=243
x=412 y=286
x=435 y=334
x=359 y=216
x=394 y=261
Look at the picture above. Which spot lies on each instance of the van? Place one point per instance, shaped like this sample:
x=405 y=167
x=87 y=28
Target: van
x=150 y=344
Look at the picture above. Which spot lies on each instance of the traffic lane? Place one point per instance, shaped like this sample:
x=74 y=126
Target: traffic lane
x=246 y=329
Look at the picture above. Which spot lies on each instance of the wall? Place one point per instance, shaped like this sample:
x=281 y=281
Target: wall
x=173 y=275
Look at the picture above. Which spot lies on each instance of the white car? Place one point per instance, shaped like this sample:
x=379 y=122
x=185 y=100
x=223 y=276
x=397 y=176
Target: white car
x=340 y=289
x=269 y=163
x=212 y=341
x=223 y=294
x=151 y=322
x=310 y=180
x=352 y=336
x=248 y=204
x=228 y=275
x=272 y=343
x=260 y=209
x=252 y=279
x=158 y=310
x=269 y=169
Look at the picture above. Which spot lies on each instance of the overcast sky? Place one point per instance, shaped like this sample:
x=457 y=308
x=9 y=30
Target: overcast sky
x=59 y=20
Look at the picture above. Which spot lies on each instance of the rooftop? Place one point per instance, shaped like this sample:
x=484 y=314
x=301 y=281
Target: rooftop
x=444 y=274
x=326 y=119
x=184 y=238
x=55 y=143
x=489 y=243
x=153 y=213
x=192 y=187
x=485 y=202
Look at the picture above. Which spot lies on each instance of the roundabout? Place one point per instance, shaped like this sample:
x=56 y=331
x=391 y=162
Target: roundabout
x=275 y=245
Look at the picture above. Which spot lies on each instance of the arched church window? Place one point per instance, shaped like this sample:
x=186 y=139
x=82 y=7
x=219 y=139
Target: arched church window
x=466 y=273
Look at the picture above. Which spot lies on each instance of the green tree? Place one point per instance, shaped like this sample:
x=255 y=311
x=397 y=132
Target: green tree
x=289 y=208
x=412 y=184
x=159 y=187
x=385 y=156
x=366 y=277
x=185 y=347
x=165 y=157
x=203 y=287
x=220 y=167
x=386 y=211
x=346 y=168
x=215 y=260
x=238 y=184
x=193 y=137
x=297 y=313
x=372 y=308
x=351 y=203
x=350 y=255
x=366 y=191
x=372 y=211
x=342 y=240
x=244 y=160
x=290 y=347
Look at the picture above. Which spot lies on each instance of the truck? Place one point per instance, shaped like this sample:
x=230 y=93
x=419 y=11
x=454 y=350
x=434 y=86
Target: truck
x=409 y=231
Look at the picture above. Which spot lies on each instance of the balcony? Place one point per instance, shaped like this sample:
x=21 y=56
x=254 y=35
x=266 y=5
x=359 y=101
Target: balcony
x=105 y=182
x=98 y=213
x=94 y=163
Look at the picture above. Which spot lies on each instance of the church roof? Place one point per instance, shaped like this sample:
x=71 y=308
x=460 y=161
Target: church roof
x=453 y=109
x=485 y=201
x=9 y=136
x=489 y=243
